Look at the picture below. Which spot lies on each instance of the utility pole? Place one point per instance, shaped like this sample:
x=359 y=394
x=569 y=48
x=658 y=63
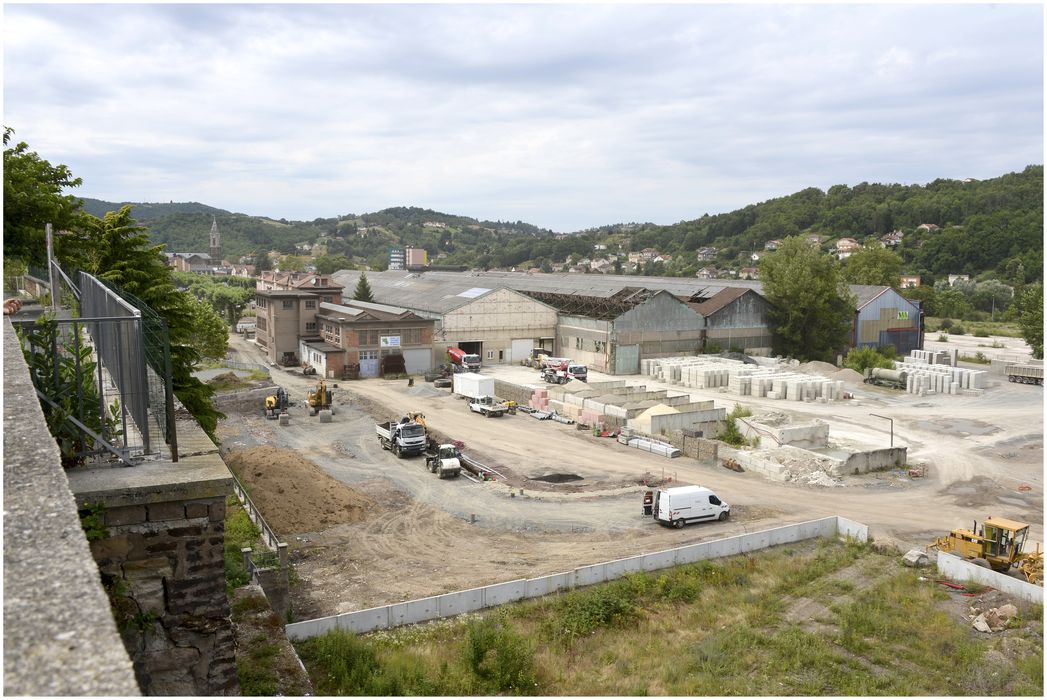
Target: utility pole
x=51 y=268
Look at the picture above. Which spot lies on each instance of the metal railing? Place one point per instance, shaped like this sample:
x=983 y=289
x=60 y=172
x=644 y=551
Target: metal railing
x=104 y=380
x=142 y=364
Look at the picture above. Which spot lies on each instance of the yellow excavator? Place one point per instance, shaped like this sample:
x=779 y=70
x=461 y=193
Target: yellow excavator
x=998 y=545
x=276 y=403
x=320 y=399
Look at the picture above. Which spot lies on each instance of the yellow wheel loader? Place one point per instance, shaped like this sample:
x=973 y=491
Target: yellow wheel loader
x=998 y=544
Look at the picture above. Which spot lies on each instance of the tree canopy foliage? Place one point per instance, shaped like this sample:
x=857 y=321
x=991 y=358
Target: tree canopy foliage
x=876 y=265
x=810 y=310
x=1030 y=318
x=33 y=197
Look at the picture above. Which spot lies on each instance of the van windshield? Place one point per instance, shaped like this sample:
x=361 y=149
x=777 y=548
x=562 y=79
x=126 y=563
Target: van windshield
x=578 y=370
x=471 y=358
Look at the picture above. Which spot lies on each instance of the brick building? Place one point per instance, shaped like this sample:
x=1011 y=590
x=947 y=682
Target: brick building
x=287 y=304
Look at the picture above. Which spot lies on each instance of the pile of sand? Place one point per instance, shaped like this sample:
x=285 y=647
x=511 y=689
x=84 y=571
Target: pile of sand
x=823 y=369
x=847 y=376
x=295 y=495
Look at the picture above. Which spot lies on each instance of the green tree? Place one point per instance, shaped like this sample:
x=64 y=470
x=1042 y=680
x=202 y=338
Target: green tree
x=326 y=264
x=875 y=265
x=811 y=312
x=292 y=263
x=117 y=249
x=363 y=289
x=1030 y=318
x=33 y=198
x=262 y=261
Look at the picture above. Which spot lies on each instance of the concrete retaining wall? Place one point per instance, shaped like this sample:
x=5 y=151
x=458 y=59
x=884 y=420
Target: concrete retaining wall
x=960 y=569
x=450 y=604
x=872 y=460
x=513 y=392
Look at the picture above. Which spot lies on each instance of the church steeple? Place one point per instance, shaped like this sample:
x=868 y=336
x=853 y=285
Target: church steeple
x=216 y=243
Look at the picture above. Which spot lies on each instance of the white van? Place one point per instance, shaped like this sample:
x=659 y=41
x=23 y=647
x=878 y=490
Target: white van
x=680 y=505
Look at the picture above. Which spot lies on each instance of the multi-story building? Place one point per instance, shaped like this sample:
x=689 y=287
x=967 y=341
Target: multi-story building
x=397 y=259
x=362 y=333
x=287 y=304
x=416 y=258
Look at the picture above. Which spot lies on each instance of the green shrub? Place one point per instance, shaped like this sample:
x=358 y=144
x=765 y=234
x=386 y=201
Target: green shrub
x=981 y=333
x=859 y=359
x=580 y=613
x=945 y=324
x=730 y=433
x=499 y=657
x=240 y=532
x=942 y=338
x=957 y=330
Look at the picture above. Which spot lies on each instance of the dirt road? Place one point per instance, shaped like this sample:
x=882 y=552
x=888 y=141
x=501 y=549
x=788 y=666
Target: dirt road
x=420 y=540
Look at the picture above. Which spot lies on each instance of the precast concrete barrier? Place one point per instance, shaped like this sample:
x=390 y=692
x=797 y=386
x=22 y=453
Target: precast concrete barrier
x=959 y=569
x=451 y=604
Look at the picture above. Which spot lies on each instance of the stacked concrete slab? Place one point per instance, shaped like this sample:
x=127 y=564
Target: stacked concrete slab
x=743 y=379
x=924 y=378
x=930 y=357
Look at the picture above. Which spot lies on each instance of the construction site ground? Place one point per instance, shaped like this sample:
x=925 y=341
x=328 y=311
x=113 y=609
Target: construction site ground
x=564 y=498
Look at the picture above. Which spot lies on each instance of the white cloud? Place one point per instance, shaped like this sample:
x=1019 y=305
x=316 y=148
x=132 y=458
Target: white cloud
x=565 y=116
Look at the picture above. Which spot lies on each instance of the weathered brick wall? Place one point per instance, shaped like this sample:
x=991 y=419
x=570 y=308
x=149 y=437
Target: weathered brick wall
x=164 y=563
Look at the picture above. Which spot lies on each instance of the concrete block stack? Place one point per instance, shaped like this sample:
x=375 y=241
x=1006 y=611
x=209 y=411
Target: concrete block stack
x=929 y=357
x=924 y=378
x=744 y=379
x=539 y=400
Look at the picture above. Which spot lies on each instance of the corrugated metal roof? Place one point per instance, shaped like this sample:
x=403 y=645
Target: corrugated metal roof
x=441 y=291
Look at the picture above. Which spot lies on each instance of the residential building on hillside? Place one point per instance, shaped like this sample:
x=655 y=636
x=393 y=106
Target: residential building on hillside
x=707 y=254
x=772 y=245
x=749 y=273
x=929 y=228
x=397 y=258
x=846 y=247
x=909 y=281
x=707 y=273
x=953 y=279
x=892 y=239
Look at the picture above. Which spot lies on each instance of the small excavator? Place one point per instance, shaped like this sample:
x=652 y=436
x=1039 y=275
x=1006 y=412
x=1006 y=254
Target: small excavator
x=276 y=403
x=319 y=399
x=998 y=545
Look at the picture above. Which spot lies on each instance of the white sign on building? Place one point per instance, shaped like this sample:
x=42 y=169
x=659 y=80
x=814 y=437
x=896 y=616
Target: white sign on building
x=389 y=341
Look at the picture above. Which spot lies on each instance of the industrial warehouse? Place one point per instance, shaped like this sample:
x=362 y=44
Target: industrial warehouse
x=612 y=322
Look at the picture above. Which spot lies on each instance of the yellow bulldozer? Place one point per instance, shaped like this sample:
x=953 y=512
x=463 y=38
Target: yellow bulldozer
x=319 y=399
x=998 y=545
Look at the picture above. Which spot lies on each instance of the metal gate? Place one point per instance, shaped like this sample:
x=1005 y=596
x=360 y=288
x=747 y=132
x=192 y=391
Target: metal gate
x=521 y=350
x=626 y=359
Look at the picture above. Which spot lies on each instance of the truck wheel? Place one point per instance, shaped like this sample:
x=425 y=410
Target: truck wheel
x=678 y=524
x=724 y=515
x=1010 y=378
x=396 y=451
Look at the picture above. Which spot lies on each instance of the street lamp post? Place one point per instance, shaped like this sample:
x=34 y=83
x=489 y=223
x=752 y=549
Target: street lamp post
x=892 y=425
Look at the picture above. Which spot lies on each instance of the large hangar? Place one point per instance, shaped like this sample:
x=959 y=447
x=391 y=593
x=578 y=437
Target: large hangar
x=496 y=322
x=586 y=314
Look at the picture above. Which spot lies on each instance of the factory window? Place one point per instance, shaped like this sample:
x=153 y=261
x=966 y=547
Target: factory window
x=310 y=303
x=577 y=343
x=490 y=354
x=327 y=298
x=310 y=327
x=368 y=354
x=288 y=303
x=599 y=345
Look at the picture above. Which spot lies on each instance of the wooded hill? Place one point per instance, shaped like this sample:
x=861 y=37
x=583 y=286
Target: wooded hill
x=983 y=227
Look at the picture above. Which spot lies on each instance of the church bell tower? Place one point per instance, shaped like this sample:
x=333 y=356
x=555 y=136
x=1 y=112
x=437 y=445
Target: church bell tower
x=216 y=243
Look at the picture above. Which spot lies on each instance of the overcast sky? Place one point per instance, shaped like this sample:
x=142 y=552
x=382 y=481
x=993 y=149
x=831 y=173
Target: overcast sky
x=564 y=116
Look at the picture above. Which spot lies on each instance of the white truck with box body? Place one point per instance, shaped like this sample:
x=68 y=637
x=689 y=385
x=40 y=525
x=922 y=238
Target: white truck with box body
x=472 y=385
x=1025 y=374
x=404 y=438
x=680 y=505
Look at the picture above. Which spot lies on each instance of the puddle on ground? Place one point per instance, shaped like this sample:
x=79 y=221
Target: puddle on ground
x=558 y=478
x=958 y=426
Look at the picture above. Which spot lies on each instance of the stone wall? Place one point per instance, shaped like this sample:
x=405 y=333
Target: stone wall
x=700 y=448
x=167 y=560
x=507 y=391
x=164 y=566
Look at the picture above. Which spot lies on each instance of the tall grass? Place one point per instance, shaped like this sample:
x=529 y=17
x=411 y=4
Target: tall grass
x=710 y=628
